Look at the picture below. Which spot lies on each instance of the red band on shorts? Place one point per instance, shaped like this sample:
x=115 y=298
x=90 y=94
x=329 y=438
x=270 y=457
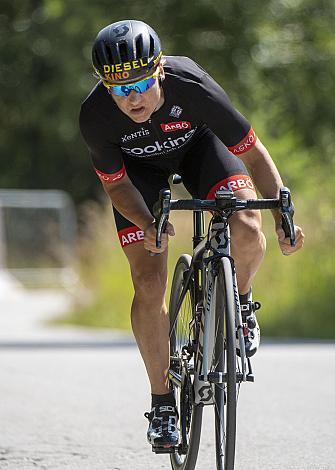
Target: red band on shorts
x=233 y=183
x=246 y=144
x=111 y=178
x=130 y=235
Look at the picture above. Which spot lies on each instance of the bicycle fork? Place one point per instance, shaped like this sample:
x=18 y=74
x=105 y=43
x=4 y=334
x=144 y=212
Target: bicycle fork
x=203 y=389
x=204 y=378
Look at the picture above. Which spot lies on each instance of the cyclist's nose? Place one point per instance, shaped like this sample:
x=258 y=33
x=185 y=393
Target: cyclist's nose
x=134 y=97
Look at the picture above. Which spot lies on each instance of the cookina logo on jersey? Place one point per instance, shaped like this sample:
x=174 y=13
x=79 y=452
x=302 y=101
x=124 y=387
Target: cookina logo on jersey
x=157 y=148
x=175 y=126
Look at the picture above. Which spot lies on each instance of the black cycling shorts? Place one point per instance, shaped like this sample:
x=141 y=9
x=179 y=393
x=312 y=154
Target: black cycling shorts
x=207 y=166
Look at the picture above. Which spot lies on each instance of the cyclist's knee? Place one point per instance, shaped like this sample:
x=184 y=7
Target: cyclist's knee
x=246 y=230
x=149 y=274
x=149 y=283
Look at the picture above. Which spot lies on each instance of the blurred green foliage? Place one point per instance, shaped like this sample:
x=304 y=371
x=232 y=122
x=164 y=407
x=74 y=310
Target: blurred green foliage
x=296 y=293
x=275 y=58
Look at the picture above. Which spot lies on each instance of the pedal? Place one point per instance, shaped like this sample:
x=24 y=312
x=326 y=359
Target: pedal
x=250 y=378
x=239 y=377
x=164 y=450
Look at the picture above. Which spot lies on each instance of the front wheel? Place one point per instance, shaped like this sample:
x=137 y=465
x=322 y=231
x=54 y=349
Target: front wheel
x=224 y=360
x=182 y=337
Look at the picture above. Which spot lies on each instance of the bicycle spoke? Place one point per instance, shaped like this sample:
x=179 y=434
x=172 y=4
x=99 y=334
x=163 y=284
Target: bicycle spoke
x=181 y=338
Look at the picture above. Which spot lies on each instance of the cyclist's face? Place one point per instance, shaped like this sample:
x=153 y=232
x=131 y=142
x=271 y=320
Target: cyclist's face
x=140 y=106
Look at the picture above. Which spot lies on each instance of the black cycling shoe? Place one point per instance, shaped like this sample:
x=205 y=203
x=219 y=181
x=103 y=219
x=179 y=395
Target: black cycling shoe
x=163 y=433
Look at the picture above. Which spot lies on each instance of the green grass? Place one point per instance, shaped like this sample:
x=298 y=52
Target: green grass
x=296 y=292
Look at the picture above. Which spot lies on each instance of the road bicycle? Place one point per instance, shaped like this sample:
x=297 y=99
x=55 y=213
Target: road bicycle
x=206 y=326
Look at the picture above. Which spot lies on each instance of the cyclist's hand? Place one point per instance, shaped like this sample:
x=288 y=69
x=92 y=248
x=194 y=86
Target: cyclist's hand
x=284 y=243
x=150 y=238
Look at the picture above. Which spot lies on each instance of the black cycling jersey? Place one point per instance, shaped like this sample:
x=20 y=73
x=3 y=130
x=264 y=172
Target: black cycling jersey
x=193 y=103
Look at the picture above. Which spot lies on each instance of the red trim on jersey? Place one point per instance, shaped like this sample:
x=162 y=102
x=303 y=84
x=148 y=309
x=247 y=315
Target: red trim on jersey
x=130 y=235
x=233 y=183
x=111 y=177
x=246 y=144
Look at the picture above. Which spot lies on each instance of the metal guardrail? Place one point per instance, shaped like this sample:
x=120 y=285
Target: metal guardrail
x=38 y=236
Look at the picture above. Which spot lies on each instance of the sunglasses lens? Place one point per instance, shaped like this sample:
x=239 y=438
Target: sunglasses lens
x=139 y=87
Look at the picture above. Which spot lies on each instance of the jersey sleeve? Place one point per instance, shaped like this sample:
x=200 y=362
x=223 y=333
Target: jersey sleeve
x=105 y=154
x=217 y=111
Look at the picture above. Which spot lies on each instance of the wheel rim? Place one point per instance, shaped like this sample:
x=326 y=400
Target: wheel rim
x=181 y=338
x=182 y=362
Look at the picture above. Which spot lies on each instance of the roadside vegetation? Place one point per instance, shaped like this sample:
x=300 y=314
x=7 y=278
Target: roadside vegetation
x=296 y=292
x=275 y=59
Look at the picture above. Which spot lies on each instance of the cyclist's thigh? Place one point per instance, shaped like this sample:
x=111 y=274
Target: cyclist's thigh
x=149 y=180
x=149 y=273
x=209 y=166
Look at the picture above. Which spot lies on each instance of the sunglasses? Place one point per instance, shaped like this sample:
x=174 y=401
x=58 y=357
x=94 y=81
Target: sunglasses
x=140 y=87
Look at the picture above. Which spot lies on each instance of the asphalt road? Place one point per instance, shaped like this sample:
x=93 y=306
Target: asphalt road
x=78 y=408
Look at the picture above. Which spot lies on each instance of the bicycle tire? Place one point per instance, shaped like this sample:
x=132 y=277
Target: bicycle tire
x=224 y=359
x=190 y=415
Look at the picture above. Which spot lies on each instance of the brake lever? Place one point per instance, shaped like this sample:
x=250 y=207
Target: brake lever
x=161 y=212
x=287 y=212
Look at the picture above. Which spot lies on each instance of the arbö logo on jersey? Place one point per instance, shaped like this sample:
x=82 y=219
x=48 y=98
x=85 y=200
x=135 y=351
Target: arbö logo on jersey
x=238 y=183
x=130 y=235
x=232 y=183
x=157 y=147
x=175 y=126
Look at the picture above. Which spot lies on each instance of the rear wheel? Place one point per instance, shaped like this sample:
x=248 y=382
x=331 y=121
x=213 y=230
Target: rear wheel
x=224 y=359
x=182 y=338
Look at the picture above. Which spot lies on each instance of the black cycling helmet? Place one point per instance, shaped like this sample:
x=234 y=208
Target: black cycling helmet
x=125 y=51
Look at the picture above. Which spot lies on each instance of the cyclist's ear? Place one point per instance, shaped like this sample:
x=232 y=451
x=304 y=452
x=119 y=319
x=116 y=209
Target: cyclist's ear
x=161 y=76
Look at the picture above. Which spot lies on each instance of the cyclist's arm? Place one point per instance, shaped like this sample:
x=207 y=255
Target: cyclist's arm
x=129 y=202
x=108 y=163
x=268 y=181
x=264 y=173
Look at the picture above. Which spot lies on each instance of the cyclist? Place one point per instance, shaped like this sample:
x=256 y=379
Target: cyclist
x=148 y=117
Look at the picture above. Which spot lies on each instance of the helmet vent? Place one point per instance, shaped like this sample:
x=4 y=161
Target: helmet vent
x=123 y=52
x=96 y=59
x=139 y=47
x=152 y=47
x=130 y=42
x=109 y=59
